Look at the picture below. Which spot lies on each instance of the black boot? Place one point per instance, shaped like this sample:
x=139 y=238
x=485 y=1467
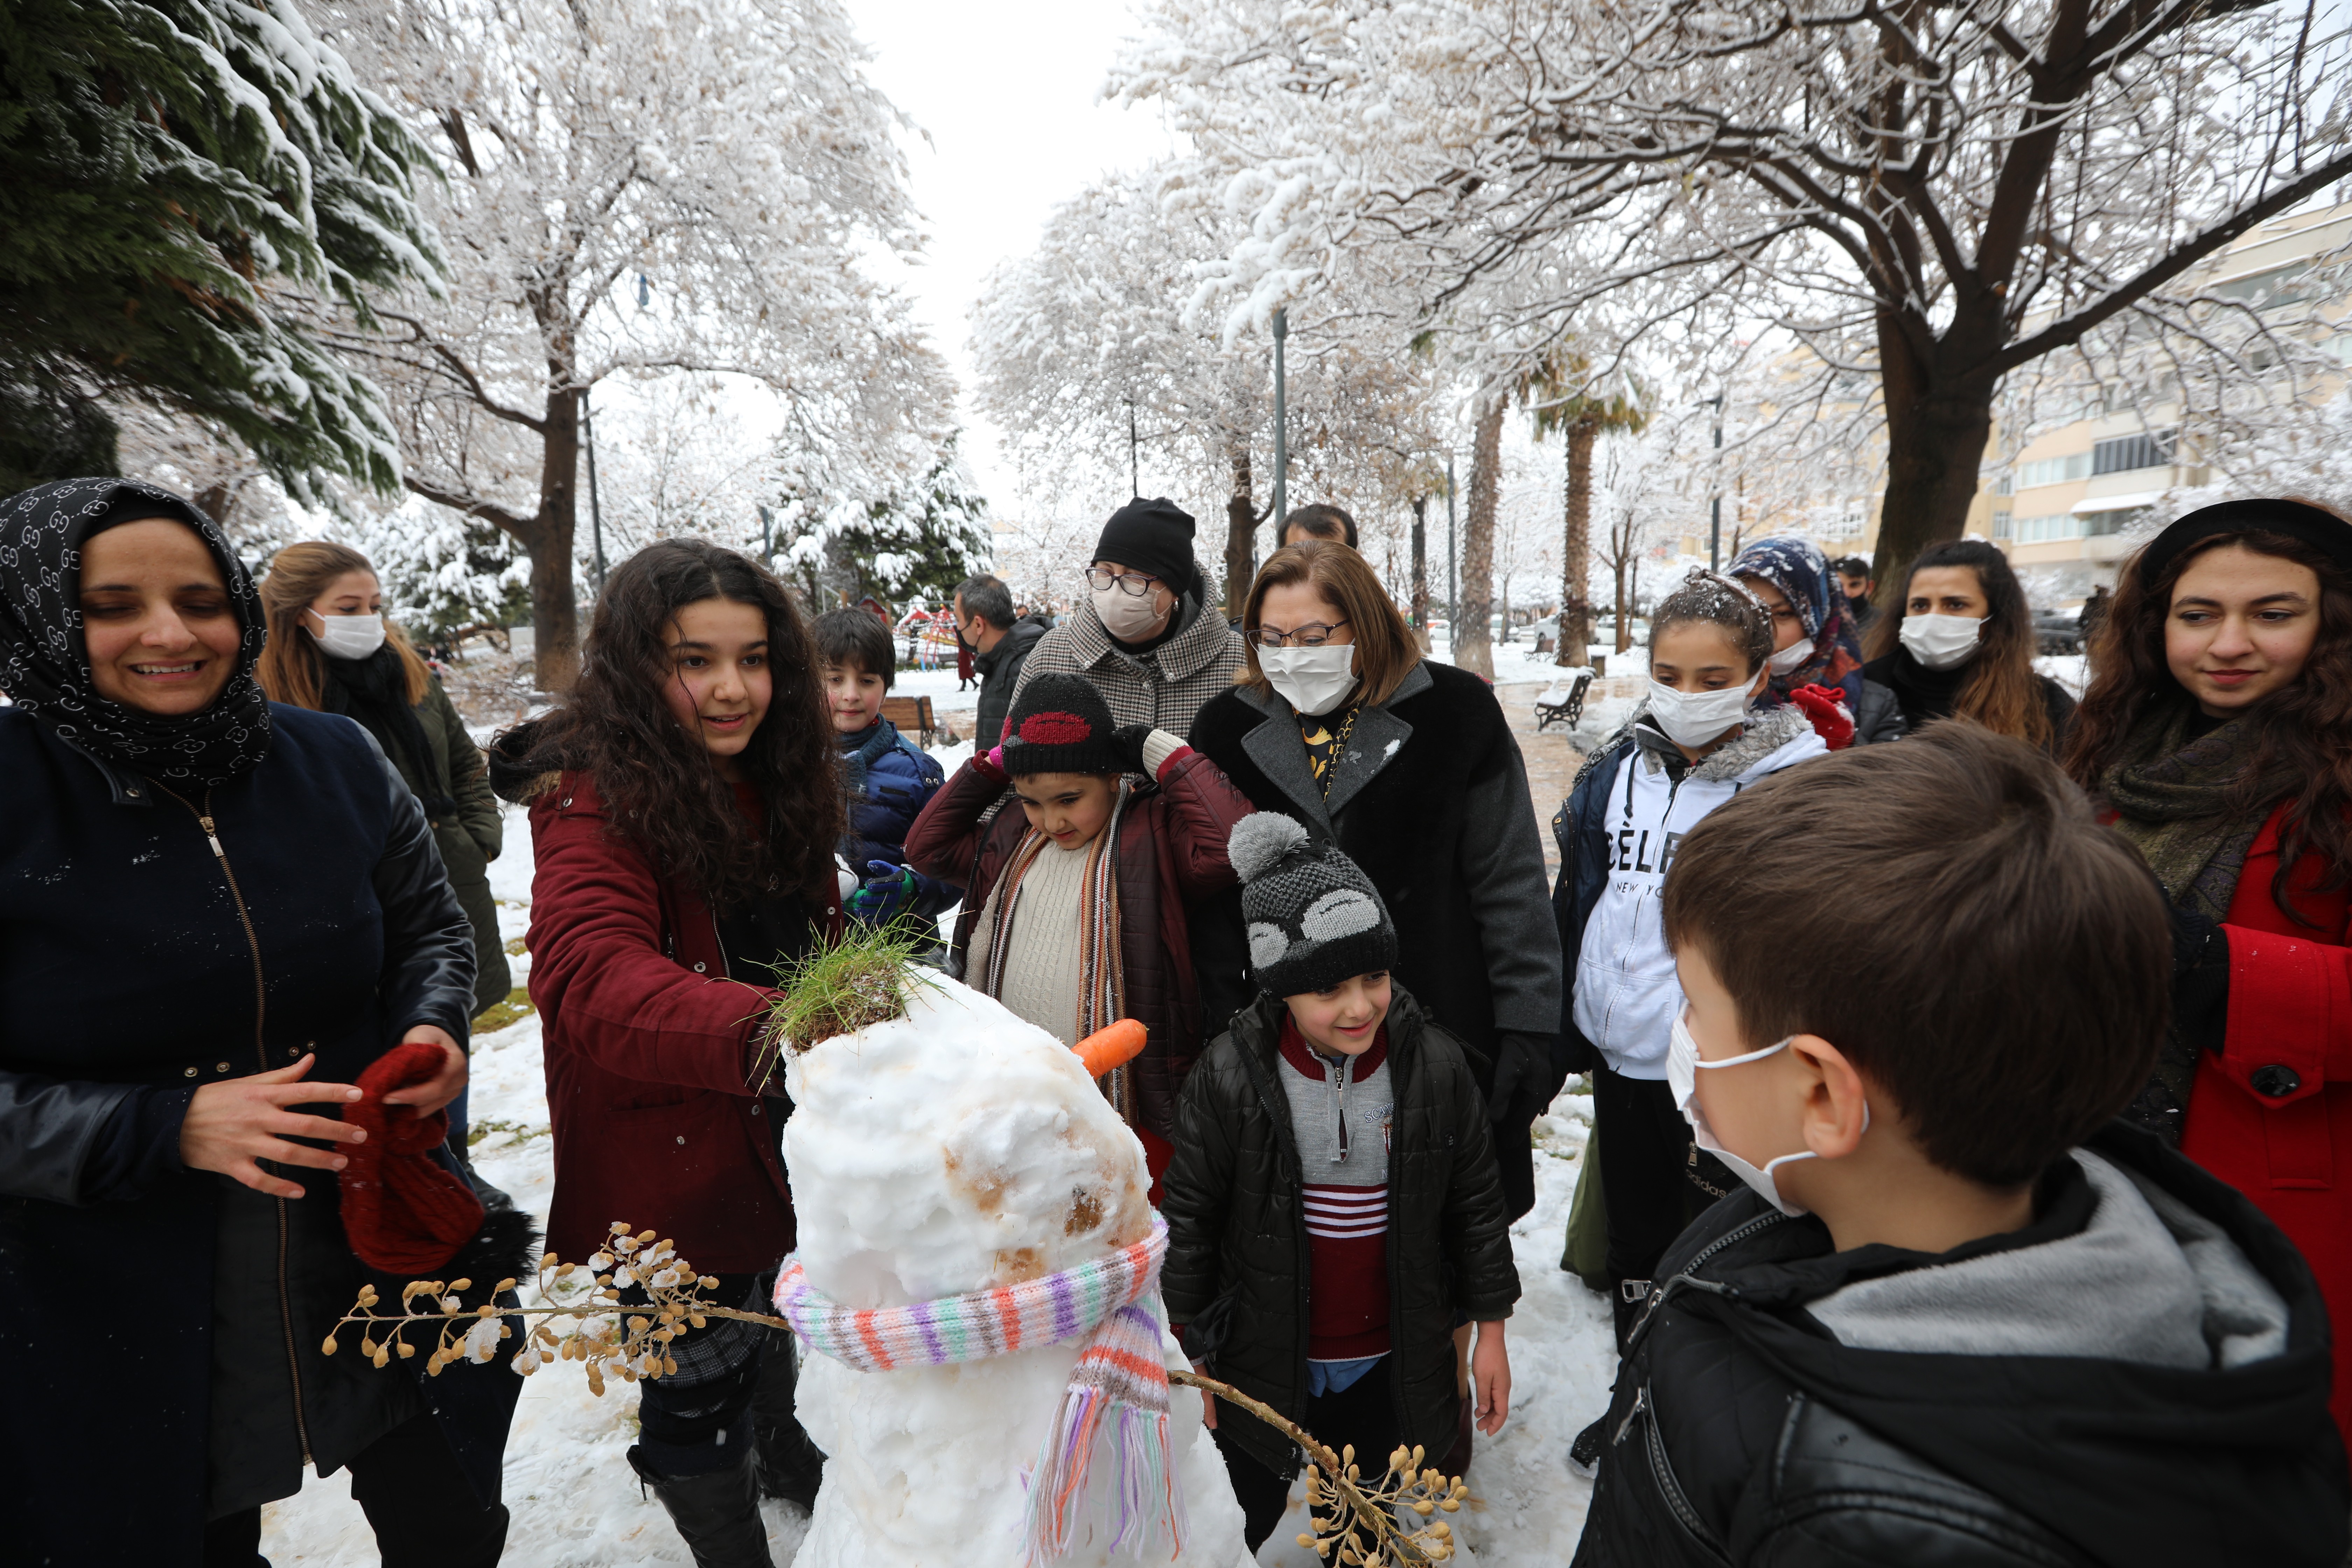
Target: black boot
x=717 y=1515
x=787 y=1464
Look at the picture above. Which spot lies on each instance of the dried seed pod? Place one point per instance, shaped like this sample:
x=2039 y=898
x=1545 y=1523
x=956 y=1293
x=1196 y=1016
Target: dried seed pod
x=407 y=1349
x=328 y=1348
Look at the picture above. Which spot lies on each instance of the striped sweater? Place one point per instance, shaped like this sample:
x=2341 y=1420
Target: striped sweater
x=1339 y=1114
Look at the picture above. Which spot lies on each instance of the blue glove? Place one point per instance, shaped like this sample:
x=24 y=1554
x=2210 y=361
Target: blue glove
x=885 y=895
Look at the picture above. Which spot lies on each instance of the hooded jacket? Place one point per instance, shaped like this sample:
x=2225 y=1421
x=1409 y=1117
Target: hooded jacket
x=2140 y=1376
x=1618 y=833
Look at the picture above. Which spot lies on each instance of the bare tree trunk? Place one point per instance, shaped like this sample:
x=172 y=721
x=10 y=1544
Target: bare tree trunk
x=1576 y=549
x=554 y=604
x=1241 y=538
x=1472 y=645
x=1936 y=433
x=1421 y=572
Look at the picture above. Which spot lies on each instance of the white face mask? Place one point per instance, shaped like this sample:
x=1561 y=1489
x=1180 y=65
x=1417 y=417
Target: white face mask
x=1942 y=642
x=1311 y=679
x=1682 y=1068
x=1695 y=718
x=1129 y=618
x=348 y=637
x=1786 y=661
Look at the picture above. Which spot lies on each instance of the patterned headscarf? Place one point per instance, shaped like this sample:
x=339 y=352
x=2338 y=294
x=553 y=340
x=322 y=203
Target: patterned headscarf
x=1799 y=569
x=45 y=664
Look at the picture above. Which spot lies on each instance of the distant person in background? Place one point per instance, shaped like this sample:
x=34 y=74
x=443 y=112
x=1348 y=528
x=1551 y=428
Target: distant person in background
x=1854 y=576
x=1960 y=640
x=1001 y=639
x=1319 y=520
x=2092 y=616
x=332 y=649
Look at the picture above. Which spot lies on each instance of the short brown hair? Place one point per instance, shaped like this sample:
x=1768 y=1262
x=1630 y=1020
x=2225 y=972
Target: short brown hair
x=1385 y=651
x=1981 y=949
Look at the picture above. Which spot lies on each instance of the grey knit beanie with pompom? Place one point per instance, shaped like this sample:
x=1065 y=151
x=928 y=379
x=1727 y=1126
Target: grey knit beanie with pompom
x=1314 y=918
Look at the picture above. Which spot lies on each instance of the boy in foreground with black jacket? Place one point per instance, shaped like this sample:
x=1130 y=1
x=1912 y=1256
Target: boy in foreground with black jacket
x=1961 y=1315
x=1333 y=1206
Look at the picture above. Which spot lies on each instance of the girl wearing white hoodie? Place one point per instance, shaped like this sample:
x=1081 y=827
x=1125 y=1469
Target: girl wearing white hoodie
x=1693 y=743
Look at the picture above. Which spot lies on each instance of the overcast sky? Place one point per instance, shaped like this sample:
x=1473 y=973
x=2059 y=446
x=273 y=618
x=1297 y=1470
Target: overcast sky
x=1007 y=95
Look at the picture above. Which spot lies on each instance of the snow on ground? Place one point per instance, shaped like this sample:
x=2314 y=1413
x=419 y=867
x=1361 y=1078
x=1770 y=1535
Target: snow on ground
x=576 y=1504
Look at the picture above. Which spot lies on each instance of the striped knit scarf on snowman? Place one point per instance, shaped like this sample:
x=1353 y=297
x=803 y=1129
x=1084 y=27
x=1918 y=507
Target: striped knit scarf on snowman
x=1117 y=1390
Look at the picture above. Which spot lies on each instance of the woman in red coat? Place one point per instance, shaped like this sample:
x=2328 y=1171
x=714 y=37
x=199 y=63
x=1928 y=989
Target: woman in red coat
x=684 y=805
x=2218 y=733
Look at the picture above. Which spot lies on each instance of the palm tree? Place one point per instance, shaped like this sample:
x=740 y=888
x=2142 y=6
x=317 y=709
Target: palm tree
x=1560 y=388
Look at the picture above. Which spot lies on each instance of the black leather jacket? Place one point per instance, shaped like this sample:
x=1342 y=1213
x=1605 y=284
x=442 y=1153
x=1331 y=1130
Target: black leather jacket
x=1742 y=1433
x=137 y=964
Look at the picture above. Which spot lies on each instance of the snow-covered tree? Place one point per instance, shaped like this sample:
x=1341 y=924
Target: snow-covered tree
x=1932 y=196
x=443 y=573
x=194 y=188
x=1089 y=340
x=920 y=540
x=638 y=189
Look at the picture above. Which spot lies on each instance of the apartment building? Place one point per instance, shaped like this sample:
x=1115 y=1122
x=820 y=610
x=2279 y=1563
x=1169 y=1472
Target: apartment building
x=2062 y=503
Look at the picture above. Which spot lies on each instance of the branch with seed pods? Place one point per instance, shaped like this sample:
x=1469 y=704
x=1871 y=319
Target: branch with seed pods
x=1354 y=1522
x=1355 y=1519
x=617 y=1337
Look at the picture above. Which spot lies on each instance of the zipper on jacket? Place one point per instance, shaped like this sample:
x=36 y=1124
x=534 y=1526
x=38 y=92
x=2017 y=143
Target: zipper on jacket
x=204 y=816
x=1687 y=1277
x=1278 y=1111
x=1662 y=1475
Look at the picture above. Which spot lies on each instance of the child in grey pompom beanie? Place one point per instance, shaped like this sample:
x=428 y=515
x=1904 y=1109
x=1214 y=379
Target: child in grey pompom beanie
x=1314 y=919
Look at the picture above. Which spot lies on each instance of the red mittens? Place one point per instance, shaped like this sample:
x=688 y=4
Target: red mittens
x=1825 y=706
x=404 y=1213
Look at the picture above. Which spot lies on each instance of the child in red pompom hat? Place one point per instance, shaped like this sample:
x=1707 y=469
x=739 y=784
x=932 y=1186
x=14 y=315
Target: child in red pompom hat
x=1074 y=905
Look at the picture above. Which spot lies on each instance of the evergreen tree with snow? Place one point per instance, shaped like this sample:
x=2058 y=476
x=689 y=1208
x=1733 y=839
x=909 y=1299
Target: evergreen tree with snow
x=194 y=187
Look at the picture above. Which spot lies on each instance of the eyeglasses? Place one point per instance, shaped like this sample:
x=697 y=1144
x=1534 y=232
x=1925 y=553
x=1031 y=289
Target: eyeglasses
x=1134 y=584
x=1314 y=634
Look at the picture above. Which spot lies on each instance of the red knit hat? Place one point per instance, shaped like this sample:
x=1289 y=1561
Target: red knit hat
x=404 y=1212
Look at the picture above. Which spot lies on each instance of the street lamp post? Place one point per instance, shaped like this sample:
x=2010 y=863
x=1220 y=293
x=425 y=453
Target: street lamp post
x=1452 y=631
x=1715 y=500
x=1281 y=431
x=1134 y=469
x=595 y=508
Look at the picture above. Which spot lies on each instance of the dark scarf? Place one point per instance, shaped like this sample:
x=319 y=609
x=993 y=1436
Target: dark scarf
x=44 y=663
x=861 y=750
x=2176 y=801
x=1926 y=694
x=375 y=691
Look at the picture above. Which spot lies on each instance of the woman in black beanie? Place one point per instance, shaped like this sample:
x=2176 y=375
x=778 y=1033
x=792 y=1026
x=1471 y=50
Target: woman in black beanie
x=1147 y=633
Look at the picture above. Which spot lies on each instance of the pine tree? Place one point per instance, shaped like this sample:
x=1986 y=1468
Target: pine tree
x=193 y=186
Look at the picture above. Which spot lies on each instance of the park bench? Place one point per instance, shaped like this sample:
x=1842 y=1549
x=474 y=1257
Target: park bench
x=1563 y=702
x=911 y=714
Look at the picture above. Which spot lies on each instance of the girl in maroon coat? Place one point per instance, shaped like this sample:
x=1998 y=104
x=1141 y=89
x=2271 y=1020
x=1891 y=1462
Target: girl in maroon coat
x=2218 y=733
x=1077 y=891
x=684 y=805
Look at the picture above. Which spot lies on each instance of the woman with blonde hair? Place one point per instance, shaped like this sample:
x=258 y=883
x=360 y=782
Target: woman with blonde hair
x=333 y=648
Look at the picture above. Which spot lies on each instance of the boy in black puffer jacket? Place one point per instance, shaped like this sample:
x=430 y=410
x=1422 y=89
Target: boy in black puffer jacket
x=1956 y=1314
x=1333 y=1206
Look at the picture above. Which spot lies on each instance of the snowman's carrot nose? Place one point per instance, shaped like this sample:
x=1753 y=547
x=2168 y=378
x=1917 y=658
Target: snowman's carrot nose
x=1114 y=1047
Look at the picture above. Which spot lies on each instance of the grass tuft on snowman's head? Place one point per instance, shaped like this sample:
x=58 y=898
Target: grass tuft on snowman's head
x=863 y=978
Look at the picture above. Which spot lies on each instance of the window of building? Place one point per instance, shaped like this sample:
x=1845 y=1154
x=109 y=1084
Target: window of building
x=2125 y=453
x=2264 y=290
x=2044 y=529
x=2054 y=470
x=2001 y=523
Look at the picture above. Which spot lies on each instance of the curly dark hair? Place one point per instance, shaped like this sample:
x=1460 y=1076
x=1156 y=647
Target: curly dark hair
x=2003 y=690
x=656 y=780
x=2303 y=730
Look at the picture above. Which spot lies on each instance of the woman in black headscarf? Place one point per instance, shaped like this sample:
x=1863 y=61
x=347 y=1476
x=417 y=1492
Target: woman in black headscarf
x=214 y=914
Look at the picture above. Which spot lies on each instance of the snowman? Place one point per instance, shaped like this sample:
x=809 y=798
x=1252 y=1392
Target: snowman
x=976 y=1278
